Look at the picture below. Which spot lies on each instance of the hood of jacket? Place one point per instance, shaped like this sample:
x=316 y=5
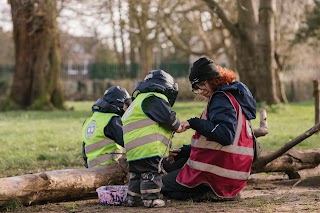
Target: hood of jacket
x=243 y=96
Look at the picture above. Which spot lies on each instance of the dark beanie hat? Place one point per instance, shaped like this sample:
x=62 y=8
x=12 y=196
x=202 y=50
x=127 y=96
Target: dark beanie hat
x=203 y=69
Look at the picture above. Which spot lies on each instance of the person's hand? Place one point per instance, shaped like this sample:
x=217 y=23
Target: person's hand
x=172 y=154
x=185 y=125
x=180 y=129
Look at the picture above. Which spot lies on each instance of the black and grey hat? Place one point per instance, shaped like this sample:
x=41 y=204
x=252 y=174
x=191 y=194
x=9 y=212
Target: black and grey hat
x=158 y=81
x=203 y=69
x=113 y=101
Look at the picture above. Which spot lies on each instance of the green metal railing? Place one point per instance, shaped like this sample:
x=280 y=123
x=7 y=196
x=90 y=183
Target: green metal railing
x=106 y=71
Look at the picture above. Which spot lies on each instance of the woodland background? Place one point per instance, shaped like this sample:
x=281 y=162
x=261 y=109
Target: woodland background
x=60 y=50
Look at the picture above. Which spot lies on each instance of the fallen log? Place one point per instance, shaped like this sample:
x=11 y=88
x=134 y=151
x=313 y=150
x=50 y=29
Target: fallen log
x=292 y=161
x=262 y=161
x=60 y=185
x=305 y=173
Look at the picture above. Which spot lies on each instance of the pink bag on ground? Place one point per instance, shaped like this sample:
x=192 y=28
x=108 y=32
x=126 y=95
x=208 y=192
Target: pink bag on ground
x=112 y=195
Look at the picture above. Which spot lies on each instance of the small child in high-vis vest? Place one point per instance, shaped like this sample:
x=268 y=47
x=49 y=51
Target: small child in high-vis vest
x=148 y=126
x=102 y=133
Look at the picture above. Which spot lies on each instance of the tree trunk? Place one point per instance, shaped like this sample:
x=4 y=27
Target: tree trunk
x=265 y=47
x=132 y=40
x=36 y=83
x=281 y=87
x=145 y=58
x=146 y=36
x=245 y=45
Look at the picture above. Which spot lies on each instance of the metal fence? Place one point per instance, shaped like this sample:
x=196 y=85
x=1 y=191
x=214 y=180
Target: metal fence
x=109 y=71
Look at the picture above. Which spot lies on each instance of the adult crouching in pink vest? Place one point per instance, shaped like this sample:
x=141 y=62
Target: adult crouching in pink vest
x=217 y=164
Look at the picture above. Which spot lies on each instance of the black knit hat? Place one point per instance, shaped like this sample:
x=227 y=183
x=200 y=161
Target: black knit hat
x=203 y=69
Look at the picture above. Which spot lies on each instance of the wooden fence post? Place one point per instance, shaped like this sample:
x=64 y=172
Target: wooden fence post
x=316 y=100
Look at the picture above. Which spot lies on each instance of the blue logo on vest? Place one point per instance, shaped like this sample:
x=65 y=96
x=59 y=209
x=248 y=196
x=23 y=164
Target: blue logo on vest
x=90 y=129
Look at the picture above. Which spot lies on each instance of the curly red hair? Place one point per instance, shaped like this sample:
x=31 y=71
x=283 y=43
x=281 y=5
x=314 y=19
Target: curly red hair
x=227 y=77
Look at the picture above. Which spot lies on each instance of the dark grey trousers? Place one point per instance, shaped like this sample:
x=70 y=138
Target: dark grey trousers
x=172 y=189
x=145 y=181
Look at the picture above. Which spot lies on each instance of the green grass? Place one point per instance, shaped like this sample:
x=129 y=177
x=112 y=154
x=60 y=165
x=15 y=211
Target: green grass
x=34 y=141
x=286 y=122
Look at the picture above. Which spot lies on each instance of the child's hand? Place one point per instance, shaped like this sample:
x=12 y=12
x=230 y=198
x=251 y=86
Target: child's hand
x=184 y=125
x=172 y=154
x=180 y=129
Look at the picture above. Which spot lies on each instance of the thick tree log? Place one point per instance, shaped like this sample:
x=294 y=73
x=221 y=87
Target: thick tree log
x=292 y=161
x=305 y=173
x=59 y=185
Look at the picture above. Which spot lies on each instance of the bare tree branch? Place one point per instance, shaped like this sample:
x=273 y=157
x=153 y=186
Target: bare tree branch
x=263 y=130
x=226 y=21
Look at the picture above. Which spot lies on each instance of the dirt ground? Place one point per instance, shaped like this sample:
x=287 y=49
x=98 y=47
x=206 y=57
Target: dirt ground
x=263 y=193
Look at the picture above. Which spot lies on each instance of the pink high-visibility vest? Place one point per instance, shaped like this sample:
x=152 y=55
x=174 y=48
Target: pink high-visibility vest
x=226 y=169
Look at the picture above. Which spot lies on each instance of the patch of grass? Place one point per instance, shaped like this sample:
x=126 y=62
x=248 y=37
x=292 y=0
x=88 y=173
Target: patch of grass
x=36 y=141
x=71 y=207
x=12 y=206
x=287 y=122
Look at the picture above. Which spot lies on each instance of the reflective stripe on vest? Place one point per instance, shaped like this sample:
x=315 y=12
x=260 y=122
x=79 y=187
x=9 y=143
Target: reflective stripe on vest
x=98 y=145
x=202 y=143
x=103 y=158
x=138 y=124
x=218 y=170
x=145 y=140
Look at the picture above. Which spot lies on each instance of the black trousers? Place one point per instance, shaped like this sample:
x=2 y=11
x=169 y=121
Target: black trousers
x=145 y=181
x=172 y=189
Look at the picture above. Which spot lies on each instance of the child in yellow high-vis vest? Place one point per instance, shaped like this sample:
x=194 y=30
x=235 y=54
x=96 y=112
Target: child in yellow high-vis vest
x=148 y=125
x=102 y=133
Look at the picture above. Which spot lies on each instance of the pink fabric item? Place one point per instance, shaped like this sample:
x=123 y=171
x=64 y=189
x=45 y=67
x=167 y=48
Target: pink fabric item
x=112 y=195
